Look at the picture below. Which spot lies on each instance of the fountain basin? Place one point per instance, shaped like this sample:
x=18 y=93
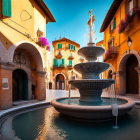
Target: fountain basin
x=93 y=84
x=92 y=113
x=91 y=52
x=91 y=70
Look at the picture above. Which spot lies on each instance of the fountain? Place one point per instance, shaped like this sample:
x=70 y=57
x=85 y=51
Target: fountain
x=91 y=106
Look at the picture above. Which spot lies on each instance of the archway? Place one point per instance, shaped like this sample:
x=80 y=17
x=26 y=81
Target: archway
x=60 y=82
x=131 y=75
x=109 y=74
x=20 y=85
x=128 y=75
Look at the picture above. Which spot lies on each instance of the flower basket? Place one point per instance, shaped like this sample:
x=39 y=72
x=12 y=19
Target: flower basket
x=43 y=41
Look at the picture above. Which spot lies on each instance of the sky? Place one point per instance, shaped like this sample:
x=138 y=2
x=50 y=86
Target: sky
x=72 y=17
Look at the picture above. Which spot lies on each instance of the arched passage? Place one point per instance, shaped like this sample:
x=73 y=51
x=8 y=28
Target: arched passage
x=131 y=75
x=128 y=75
x=109 y=74
x=60 y=82
x=20 y=85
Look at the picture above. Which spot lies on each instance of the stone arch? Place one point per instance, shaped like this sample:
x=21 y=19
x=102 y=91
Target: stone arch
x=111 y=68
x=122 y=69
x=64 y=79
x=29 y=47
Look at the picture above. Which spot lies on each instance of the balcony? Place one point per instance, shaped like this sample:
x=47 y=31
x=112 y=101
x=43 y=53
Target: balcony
x=69 y=66
x=71 y=57
x=81 y=59
x=111 y=53
x=128 y=18
x=59 y=54
x=60 y=66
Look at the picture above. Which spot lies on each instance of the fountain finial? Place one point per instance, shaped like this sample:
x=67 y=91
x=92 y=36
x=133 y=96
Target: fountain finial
x=90 y=24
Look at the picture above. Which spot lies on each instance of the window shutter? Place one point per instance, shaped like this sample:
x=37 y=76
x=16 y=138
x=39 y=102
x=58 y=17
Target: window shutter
x=70 y=62
x=74 y=48
x=60 y=46
x=114 y=22
x=135 y=3
x=63 y=61
x=126 y=7
x=55 y=62
x=7 y=8
x=69 y=46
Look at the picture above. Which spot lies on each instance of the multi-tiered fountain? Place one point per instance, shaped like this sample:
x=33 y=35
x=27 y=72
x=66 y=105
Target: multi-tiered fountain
x=90 y=105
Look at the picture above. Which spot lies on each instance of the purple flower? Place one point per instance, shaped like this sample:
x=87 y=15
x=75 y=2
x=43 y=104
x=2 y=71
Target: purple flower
x=48 y=48
x=43 y=41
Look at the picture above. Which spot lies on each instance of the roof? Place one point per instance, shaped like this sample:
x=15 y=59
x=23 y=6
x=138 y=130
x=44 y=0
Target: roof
x=46 y=10
x=110 y=14
x=101 y=41
x=65 y=39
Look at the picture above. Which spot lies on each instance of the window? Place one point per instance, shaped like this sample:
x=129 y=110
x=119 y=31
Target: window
x=70 y=62
x=130 y=4
x=7 y=8
x=59 y=46
x=111 y=43
x=39 y=34
x=71 y=47
x=63 y=61
x=55 y=62
x=113 y=25
x=59 y=62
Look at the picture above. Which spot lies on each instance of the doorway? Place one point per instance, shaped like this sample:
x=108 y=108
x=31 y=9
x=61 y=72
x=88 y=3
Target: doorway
x=20 y=85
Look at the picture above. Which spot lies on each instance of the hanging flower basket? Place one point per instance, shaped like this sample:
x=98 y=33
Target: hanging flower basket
x=128 y=18
x=43 y=41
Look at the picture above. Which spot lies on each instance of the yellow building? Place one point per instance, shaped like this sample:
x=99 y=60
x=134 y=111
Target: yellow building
x=22 y=59
x=120 y=26
x=65 y=57
x=100 y=59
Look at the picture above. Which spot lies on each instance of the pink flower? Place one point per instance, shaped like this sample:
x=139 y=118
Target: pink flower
x=43 y=41
x=48 y=48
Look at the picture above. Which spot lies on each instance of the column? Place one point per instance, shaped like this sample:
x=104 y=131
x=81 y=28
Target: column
x=6 y=85
x=41 y=87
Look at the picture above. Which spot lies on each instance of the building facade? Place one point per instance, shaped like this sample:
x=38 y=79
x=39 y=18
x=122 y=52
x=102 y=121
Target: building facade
x=65 y=57
x=121 y=26
x=22 y=58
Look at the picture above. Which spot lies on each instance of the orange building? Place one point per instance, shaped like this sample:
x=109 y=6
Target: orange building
x=22 y=57
x=121 y=26
x=65 y=57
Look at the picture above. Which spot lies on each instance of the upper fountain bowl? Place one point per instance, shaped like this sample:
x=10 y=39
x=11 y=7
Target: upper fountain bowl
x=91 y=52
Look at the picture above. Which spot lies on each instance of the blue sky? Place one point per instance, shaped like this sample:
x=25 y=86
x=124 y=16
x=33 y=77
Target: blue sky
x=72 y=17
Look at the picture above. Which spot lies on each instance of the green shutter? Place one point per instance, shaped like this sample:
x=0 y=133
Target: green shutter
x=70 y=62
x=63 y=61
x=55 y=62
x=6 y=8
x=69 y=46
x=74 y=48
x=59 y=46
x=114 y=22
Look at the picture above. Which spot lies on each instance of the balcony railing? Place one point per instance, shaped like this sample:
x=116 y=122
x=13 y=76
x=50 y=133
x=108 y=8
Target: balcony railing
x=128 y=18
x=111 y=53
x=60 y=66
x=59 y=55
x=69 y=66
x=71 y=57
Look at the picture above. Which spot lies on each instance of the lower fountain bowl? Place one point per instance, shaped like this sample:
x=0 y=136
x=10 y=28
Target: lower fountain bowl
x=92 y=113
